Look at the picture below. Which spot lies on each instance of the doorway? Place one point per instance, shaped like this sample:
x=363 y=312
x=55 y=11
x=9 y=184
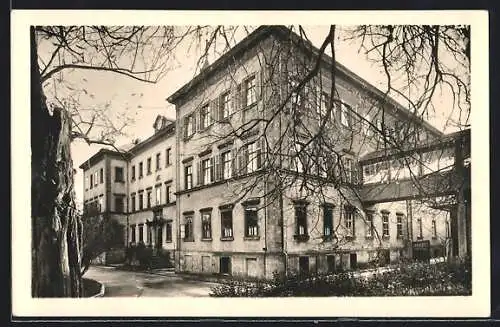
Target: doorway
x=225 y=265
x=303 y=266
x=353 y=259
x=159 y=237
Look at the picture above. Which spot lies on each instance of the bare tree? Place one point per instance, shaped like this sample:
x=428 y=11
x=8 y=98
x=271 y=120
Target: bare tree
x=136 y=52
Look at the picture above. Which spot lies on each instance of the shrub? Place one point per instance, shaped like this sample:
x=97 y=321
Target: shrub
x=404 y=279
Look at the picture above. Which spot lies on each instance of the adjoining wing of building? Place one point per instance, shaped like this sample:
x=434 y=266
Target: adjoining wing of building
x=201 y=187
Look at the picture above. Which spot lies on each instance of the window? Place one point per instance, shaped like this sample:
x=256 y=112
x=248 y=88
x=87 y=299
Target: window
x=344 y=114
x=189 y=124
x=327 y=220
x=132 y=233
x=227 y=223
x=148 y=199
x=419 y=224
x=168 y=231
x=297 y=163
x=252 y=157
x=188 y=177
x=91 y=181
x=132 y=202
x=250 y=91
x=167 y=193
x=369 y=223
x=149 y=166
x=207 y=171
x=119 y=204
x=251 y=222
x=349 y=172
x=158 y=195
x=301 y=219
x=101 y=175
x=141 y=233
x=158 y=161
x=188 y=228
x=206 y=225
x=95 y=179
x=205 y=116
x=385 y=224
x=448 y=229
x=132 y=173
x=366 y=125
x=399 y=225
x=140 y=169
x=167 y=157
x=141 y=200
x=324 y=103
x=119 y=174
x=227 y=165
x=434 y=231
x=86 y=183
x=349 y=219
x=227 y=109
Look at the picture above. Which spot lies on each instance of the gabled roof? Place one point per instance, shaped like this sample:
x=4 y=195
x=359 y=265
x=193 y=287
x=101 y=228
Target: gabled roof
x=286 y=33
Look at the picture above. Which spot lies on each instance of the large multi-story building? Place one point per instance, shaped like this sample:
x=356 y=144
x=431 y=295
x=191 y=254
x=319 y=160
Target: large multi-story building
x=261 y=174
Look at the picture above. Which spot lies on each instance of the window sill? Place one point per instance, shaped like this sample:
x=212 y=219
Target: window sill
x=168 y=241
x=251 y=238
x=301 y=238
x=350 y=237
x=386 y=237
x=226 y=239
x=149 y=173
x=206 y=239
x=369 y=237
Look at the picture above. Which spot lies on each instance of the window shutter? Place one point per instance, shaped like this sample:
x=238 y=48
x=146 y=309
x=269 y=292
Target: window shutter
x=212 y=169
x=233 y=161
x=261 y=153
x=214 y=110
x=183 y=231
x=198 y=173
x=238 y=98
x=242 y=95
x=218 y=174
x=220 y=108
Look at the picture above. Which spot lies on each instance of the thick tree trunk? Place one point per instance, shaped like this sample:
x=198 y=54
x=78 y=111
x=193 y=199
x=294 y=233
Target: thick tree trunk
x=56 y=229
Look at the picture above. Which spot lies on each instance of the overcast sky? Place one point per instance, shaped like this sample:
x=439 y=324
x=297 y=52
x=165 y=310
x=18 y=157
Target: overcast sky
x=145 y=101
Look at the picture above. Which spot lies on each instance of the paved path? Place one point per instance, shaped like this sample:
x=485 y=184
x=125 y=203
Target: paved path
x=135 y=284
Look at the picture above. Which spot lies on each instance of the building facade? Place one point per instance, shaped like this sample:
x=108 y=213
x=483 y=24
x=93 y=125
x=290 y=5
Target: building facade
x=230 y=186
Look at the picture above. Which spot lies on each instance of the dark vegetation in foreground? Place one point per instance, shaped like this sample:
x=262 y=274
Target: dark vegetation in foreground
x=418 y=279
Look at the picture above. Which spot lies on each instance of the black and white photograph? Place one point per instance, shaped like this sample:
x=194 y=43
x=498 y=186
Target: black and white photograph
x=280 y=159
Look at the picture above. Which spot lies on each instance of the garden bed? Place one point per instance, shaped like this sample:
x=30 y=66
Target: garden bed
x=422 y=279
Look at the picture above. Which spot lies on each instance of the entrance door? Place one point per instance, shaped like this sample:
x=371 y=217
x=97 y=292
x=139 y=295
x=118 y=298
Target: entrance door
x=303 y=266
x=159 y=237
x=225 y=265
x=353 y=259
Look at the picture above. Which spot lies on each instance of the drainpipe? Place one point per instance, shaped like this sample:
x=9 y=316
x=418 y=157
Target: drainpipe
x=409 y=227
x=282 y=220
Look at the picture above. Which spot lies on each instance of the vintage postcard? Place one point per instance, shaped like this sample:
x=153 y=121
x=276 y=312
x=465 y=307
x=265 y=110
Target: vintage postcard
x=250 y=163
